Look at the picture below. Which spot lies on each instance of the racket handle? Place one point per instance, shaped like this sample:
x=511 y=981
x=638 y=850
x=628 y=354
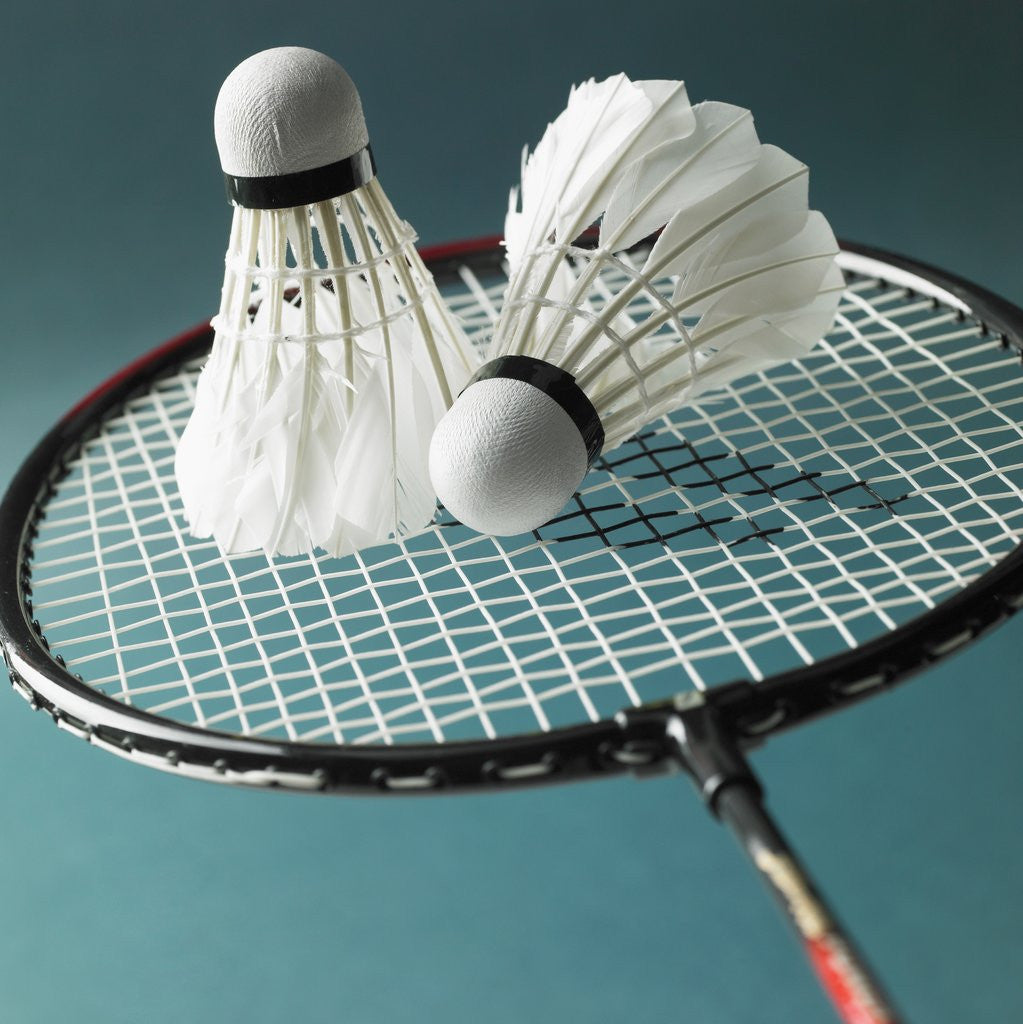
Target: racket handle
x=849 y=983
x=723 y=775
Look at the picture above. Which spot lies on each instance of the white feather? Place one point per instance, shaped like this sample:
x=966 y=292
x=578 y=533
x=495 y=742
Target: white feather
x=680 y=173
x=571 y=171
x=383 y=463
x=383 y=483
x=286 y=496
x=795 y=253
x=567 y=183
x=775 y=183
x=323 y=387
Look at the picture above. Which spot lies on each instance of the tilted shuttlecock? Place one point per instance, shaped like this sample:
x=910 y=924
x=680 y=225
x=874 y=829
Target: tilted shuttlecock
x=334 y=355
x=573 y=371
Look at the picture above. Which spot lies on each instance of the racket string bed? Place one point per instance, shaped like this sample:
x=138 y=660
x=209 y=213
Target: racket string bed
x=786 y=518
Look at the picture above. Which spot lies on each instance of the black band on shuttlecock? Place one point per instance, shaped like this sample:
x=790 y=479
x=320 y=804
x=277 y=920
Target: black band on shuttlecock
x=279 y=191
x=556 y=383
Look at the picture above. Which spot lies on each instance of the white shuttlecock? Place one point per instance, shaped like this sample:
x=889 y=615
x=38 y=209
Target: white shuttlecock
x=334 y=355
x=573 y=370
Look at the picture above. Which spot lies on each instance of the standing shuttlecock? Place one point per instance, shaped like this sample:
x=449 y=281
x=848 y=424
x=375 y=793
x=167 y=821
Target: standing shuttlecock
x=573 y=370
x=334 y=355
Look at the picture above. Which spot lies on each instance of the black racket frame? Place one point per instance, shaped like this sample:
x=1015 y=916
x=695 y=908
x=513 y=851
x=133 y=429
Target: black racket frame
x=635 y=740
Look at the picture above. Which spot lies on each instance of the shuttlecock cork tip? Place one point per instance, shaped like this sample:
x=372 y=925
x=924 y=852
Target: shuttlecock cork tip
x=514 y=447
x=290 y=130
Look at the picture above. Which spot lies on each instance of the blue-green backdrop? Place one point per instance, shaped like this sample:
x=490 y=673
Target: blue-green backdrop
x=128 y=896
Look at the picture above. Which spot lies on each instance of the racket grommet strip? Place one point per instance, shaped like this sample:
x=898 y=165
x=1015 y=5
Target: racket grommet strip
x=944 y=647
x=641 y=757
x=863 y=684
x=431 y=779
x=500 y=772
x=23 y=690
x=764 y=723
x=72 y=725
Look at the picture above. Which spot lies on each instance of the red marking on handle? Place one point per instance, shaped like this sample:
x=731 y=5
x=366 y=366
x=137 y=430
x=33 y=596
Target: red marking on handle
x=852 y=993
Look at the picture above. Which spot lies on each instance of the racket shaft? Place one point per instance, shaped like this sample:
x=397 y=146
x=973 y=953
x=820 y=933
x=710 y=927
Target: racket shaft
x=841 y=970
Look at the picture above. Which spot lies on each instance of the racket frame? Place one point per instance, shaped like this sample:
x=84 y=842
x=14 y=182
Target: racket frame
x=636 y=740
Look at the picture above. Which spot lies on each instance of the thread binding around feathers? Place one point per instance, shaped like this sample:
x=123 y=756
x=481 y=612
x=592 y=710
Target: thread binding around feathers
x=557 y=384
x=282 y=191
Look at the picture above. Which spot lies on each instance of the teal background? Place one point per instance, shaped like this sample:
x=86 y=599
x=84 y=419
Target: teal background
x=128 y=896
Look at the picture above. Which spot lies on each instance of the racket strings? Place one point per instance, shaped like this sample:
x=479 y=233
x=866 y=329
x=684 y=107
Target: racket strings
x=784 y=519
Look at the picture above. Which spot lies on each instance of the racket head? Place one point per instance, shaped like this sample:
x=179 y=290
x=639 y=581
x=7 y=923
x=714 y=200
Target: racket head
x=636 y=533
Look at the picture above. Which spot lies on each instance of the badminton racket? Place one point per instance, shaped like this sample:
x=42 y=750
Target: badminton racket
x=792 y=544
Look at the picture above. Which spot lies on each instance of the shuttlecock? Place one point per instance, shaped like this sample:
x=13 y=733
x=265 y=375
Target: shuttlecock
x=572 y=371
x=334 y=355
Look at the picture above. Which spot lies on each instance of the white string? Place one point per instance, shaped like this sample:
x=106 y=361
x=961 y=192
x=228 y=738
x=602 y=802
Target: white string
x=788 y=517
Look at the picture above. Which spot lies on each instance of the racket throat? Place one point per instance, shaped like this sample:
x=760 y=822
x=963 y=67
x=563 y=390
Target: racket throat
x=699 y=741
x=691 y=735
